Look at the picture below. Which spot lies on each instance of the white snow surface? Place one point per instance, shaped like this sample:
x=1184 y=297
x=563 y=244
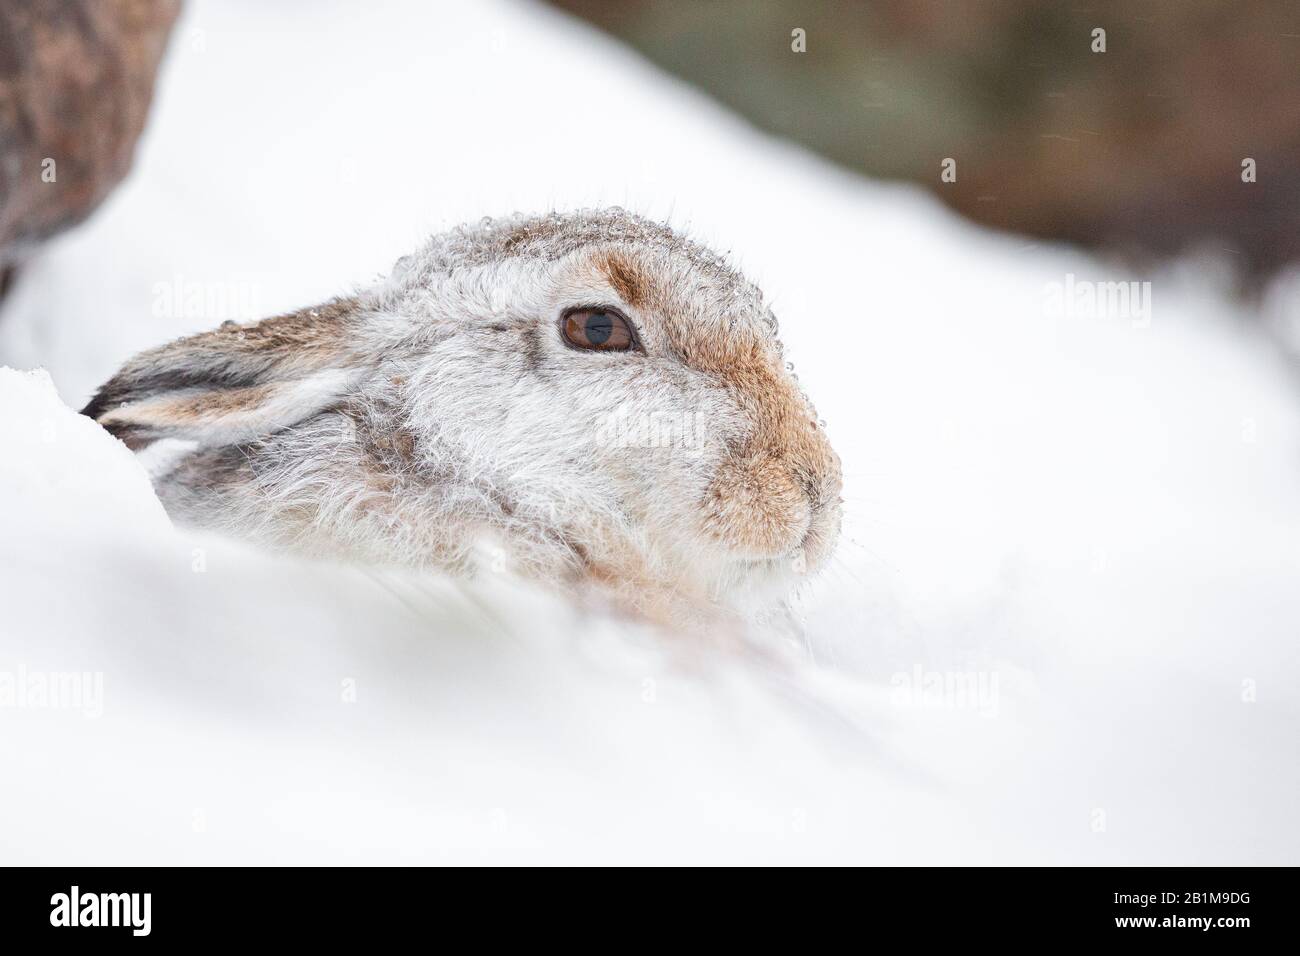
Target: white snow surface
x=1097 y=517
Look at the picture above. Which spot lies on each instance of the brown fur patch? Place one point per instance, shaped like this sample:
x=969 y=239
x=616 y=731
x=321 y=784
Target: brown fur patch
x=783 y=482
x=404 y=445
x=170 y=412
x=531 y=347
x=310 y=335
x=627 y=278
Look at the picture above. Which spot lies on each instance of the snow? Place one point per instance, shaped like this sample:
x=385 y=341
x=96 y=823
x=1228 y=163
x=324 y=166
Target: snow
x=1092 y=518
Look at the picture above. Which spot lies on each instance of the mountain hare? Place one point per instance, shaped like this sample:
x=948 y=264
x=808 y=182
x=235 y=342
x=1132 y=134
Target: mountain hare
x=590 y=397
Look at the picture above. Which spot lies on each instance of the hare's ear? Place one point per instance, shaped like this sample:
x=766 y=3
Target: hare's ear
x=233 y=384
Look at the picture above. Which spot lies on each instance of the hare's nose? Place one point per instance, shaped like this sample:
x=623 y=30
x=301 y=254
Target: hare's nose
x=823 y=530
x=818 y=472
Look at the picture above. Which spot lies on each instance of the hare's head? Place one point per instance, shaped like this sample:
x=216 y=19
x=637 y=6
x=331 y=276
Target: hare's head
x=586 y=397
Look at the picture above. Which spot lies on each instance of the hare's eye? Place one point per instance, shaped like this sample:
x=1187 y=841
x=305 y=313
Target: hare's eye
x=599 y=330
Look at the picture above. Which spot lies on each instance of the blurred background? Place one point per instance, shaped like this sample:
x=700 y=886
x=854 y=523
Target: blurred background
x=1132 y=140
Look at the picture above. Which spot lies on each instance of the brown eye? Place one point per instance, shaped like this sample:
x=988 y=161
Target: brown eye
x=598 y=330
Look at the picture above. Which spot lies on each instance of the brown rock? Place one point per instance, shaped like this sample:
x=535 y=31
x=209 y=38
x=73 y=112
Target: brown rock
x=76 y=79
